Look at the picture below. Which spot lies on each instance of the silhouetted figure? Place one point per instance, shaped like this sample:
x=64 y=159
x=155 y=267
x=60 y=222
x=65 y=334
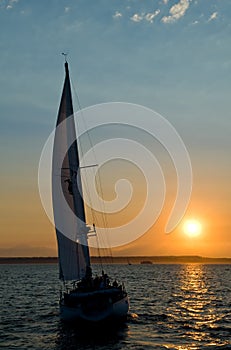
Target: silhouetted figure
x=96 y=282
x=70 y=188
x=106 y=280
x=115 y=284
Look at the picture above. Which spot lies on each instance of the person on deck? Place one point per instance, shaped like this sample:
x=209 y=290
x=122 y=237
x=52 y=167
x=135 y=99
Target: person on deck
x=70 y=188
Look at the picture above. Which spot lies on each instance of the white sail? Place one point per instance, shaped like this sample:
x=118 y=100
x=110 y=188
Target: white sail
x=71 y=230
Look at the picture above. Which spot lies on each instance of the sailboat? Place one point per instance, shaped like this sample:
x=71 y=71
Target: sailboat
x=84 y=298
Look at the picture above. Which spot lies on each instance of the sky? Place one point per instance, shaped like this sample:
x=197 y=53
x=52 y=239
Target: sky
x=172 y=56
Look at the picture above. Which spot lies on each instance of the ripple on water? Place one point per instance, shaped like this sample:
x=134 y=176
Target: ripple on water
x=181 y=307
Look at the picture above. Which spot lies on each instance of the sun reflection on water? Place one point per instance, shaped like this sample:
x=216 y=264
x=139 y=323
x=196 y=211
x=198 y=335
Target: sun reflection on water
x=195 y=307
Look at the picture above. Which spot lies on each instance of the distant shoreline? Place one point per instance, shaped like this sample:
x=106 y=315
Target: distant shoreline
x=130 y=260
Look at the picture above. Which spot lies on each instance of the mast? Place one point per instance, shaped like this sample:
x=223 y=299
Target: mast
x=75 y=175
x=74 y=258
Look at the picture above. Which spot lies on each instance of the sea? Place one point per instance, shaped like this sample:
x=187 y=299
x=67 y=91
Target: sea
x=184 y=307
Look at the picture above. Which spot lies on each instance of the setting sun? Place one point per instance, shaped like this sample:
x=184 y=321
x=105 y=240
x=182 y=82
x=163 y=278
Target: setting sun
x=192 y=228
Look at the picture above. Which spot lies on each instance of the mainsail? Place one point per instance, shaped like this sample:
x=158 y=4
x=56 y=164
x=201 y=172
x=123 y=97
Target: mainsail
x=68 y=205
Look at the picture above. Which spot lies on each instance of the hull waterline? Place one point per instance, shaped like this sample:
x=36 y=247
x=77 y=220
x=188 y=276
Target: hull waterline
x=115 y=311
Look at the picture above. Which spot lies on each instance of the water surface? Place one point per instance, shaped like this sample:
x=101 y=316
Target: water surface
x=184 y=307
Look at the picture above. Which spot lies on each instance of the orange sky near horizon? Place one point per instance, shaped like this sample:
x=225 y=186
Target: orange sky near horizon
x=26 y=230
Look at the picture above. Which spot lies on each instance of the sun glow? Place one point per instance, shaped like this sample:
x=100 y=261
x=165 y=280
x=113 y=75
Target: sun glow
x=192 y=228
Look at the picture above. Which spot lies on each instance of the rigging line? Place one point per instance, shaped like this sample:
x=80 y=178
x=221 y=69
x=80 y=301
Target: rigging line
x=105 y=221
x=97 y=243
x=81 y=150
x=100 y=184
x=94 y=218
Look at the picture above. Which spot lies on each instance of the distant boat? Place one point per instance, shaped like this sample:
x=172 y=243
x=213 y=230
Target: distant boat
x=84 y=298
x=129 y=262
x=148 y=262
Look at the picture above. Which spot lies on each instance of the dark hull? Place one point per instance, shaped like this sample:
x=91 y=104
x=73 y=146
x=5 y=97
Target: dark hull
x=96 y=306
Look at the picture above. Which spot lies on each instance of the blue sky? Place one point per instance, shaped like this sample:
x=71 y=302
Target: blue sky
x=136 y=51
x=173 y=56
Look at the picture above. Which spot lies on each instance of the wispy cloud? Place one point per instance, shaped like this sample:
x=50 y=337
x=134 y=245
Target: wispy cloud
x=176 y=11
x=66 y=9
x=149 y=17
x=9 y=4
x=165 y=1
x=117 y=15
x=136 y=17
x=213 y=16
x=195 y=22
x=25 y=12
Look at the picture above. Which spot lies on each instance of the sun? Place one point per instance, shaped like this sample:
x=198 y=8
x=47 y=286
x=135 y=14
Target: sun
x=192 y=228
